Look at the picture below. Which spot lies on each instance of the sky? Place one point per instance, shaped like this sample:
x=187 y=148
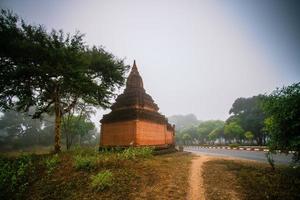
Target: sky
x=195 y=56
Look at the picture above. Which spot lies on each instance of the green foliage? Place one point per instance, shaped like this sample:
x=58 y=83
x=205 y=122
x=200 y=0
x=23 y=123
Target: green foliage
x=85 y=162
x=84 y=151
x=14 y=176
x=282 y=107
x=133 y=153
x=216 y=133
x=248 y=113
x=233 y=130
x=53 y=71
x=73 y=126
x=234 y=145
x=19 y=130
x=102 y=180
x=270 y=159
x=249 y=135
x=186 y=137
x=205 y=128
x=51 y=163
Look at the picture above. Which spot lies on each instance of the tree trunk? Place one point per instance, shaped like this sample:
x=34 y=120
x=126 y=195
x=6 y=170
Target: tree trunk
x=57 y=148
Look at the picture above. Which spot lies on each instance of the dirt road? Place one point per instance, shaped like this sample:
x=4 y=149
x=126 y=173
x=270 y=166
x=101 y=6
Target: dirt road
x=196 y=189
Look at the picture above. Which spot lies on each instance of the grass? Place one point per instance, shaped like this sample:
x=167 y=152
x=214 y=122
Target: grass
x=15 y=176
x=51 y=163
x=85 y=162
x=102 y=180
x=84 y=173
x=225 y=179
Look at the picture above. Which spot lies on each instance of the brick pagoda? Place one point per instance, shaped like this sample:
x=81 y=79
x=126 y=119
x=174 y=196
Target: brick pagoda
x=134 y=119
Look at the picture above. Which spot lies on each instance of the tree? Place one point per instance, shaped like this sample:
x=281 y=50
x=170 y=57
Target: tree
x=186 y=137
x=233 y=130
x=81 y=112
x=282 y=107
x=192 y=132
x=249 y=114
x=18 y=130
x=53 y=71
x=205 y=128
x=76 y=126
x=184 y=121
x=249 y=136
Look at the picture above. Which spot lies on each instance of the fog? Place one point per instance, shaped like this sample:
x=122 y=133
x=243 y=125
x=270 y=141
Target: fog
x=194 y=56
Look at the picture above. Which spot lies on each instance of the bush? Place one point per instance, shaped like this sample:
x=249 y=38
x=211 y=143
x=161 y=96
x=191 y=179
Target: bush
x=234 y=145
x=102 y=180
x=84 y=151
x=51 y=163
x=85 y=162
x=14 y=176
x=270 y=159
x=138 y=152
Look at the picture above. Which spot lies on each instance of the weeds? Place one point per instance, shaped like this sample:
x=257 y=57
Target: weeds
x=14 y=176
x=85 y=162
x=102 y=180
x=270 y=159
x=51 y=163
x=134 y=153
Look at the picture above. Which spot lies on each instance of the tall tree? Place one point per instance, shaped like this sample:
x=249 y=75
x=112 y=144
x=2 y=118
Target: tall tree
x=206 y=127
x=282 y=107
x=234 y=131
x=248 y=113
x=53 y=70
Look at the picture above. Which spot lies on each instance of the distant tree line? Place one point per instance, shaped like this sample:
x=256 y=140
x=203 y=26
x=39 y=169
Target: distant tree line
x=18 y=131
x=272 y=120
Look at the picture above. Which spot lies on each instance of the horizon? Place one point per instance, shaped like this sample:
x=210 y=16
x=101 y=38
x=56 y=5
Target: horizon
x=194 y=58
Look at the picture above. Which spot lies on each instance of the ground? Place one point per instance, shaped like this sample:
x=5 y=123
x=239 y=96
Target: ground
x=137 y=175
x=232 y=178
x=134 y=177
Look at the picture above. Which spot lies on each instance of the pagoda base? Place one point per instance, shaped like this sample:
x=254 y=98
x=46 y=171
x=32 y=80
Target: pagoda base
x=135 y=133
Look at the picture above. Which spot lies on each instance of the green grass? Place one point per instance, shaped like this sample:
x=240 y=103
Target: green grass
x=85 y=162
x=14 y=176
x=51 y=163
x=102 y=180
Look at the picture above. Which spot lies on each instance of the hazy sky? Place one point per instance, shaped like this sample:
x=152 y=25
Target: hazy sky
x=194 y=56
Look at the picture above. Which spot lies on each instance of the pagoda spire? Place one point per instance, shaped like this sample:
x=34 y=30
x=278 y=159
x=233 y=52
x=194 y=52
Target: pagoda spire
x=134 y=79
x=134 y=67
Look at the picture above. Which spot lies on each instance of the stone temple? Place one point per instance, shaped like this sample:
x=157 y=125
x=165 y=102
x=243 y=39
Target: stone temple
x=134 y=119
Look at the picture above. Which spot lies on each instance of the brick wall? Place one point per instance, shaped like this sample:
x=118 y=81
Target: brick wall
x=135 y=132
x=149 y=133
x=169 y=137
x=118 y=133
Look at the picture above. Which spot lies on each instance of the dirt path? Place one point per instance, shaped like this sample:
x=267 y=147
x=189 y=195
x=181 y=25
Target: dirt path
x=196 y=188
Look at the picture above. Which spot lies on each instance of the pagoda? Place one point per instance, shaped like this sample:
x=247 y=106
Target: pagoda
x=134 y=119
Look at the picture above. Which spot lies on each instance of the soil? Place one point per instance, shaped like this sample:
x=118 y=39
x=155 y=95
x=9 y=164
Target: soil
x=196 y=189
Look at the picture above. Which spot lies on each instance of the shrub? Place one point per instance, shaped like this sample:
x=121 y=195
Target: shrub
x=14 y=176
x=84 y=151
x=102 y=180
x=51 y=163
x=270 y=159
x=134 y=153
x=234 y=145
x=85 y=162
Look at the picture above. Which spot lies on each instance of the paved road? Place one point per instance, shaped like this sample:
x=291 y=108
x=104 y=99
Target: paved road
x=250 y=155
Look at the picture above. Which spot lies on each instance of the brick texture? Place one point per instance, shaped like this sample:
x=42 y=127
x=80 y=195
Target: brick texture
x=135 y=133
